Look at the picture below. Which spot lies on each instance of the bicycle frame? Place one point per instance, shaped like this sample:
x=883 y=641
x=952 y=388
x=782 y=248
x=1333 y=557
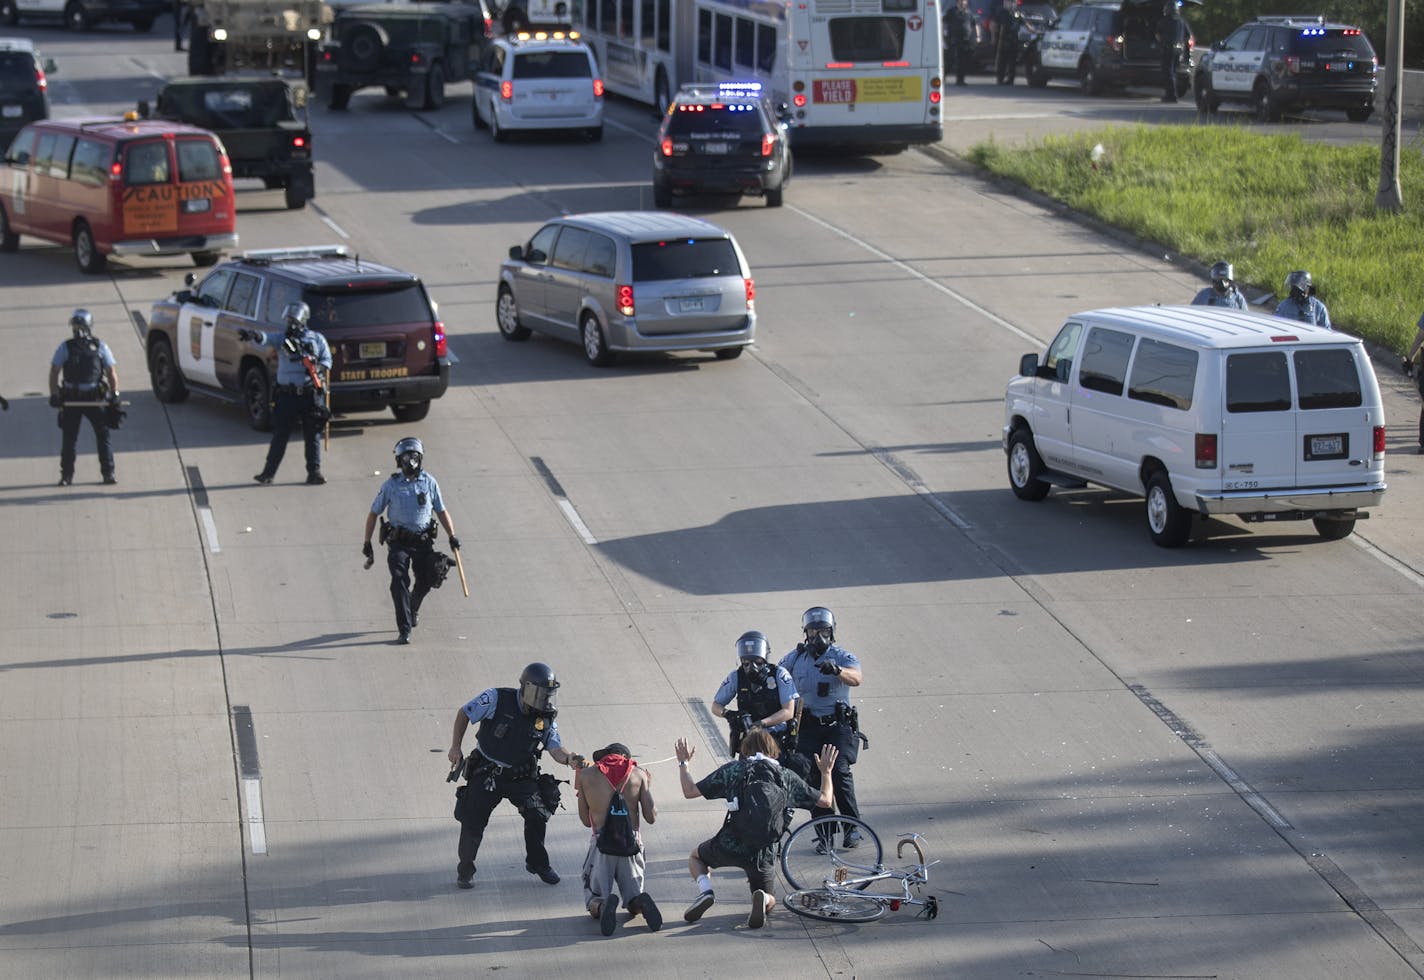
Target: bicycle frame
x=908 y=879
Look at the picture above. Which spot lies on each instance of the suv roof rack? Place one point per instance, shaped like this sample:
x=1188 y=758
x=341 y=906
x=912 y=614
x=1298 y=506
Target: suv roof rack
x=1291 y=20
x=266 y=256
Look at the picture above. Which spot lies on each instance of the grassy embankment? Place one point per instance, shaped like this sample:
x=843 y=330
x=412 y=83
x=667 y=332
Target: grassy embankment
x=1267 y=204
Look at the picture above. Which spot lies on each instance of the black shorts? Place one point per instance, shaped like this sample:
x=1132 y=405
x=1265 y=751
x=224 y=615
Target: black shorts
x=760 y=869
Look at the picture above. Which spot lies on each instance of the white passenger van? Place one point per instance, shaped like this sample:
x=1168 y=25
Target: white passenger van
x=1201 y=410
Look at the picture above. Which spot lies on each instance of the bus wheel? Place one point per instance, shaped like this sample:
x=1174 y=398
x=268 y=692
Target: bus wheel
x=662 y=94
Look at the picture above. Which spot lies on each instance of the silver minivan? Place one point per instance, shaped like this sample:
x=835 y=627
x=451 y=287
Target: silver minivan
x=618 y=281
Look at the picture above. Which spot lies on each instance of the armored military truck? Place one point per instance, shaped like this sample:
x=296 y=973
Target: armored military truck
x=268 y=35
x=262 y=122
x=409 y=49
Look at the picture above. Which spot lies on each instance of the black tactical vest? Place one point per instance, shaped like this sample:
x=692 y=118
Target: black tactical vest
x=82 y=364
x=758 y=697
x=511 y=738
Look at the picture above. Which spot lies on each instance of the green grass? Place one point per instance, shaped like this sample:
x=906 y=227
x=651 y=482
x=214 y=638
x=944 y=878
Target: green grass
x=1267 y=204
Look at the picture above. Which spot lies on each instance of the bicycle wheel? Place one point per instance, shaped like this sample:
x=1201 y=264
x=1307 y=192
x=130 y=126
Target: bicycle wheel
x=815 y=854
x=834 y=905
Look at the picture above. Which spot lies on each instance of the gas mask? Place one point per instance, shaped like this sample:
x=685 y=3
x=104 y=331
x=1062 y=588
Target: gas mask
x=818 y=641
x=410 y=465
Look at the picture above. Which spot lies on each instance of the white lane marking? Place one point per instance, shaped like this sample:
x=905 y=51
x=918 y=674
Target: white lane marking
x=1387 y=560
x=210 y=528
x=334 y=227
x=576 y=521
x=256 y=829
x=903 y=267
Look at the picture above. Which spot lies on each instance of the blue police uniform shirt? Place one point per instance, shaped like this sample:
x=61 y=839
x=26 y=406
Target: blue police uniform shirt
x=401 y=501
x=106 y=358
x=1311 y=311
x=1210 y=297
x=482 y=706
x=808 y=678
x=290 y=370
x=785 y=691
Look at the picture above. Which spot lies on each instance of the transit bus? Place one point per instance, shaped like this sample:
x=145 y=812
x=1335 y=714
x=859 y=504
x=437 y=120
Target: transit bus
x=864 y=72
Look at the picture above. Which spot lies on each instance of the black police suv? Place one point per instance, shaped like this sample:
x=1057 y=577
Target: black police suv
x=1283 y=64
x=721 y=138
x=1107 y=43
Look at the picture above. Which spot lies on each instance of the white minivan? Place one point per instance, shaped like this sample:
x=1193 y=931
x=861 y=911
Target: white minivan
x=1201 y=410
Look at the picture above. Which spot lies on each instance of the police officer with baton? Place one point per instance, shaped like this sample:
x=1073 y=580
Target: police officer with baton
x=411 y=500
x=85 y=366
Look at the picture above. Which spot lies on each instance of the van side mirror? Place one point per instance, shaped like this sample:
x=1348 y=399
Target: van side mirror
x=1028 y=366
x=190 y=278
x=516 y=252
x=143 y=109
x=50 y=67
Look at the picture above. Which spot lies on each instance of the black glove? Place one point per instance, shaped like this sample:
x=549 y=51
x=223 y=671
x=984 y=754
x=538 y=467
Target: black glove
x=454 y=542
x=368 y=552
x=55 y=401
x=4 y=405
x=827 y=667
x=1408 y=368
x=114 y=398
x=744 y=722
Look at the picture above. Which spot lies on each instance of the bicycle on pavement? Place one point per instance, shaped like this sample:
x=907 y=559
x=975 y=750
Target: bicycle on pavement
x=832 y=882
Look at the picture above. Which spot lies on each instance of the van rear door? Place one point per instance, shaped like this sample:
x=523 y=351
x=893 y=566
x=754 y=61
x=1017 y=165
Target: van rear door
x=1334 y=426
x=1258 y=445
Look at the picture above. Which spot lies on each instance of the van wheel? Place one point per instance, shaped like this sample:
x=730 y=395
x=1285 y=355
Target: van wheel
x=499 y=135
x=595 y=347
x=1333 y=528
x=75 y=17
x=773 y=198
x=411 y=413
x=163 y=372
x=595 y=134
x=435 y=87
x=1169 y=524
x=9 y=238
x=1025 y=467
x=86 y=253
x=506 y=311
x=1359 y=115
x=257 y=397
x=728 y=353
x=204 y=259
x=475 y=117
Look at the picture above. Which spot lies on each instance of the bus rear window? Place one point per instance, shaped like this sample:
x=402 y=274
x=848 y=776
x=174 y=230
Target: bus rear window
x=684 y=259
x=867 y=38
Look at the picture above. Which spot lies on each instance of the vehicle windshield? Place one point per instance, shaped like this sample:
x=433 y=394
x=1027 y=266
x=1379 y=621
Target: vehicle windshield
x=381 y=304
x=685 y=258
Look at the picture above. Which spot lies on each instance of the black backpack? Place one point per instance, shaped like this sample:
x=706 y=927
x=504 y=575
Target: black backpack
x=617 y=838
x=762 y=803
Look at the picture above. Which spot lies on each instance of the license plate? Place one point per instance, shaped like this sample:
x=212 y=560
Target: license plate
x=1339 y=66
x=693 y=304
x=197 y=205
x=1332 y=445
x=13 y=111
x=373 y=351
x=716 y=147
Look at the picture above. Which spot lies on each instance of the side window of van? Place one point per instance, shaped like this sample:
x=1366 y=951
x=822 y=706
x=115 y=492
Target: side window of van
x=1327 y=379
x=1163 y=374
x=541 y=245
x=601 y=257
x=1104 y=366
x=43 y=152
x=214 y=289
x=91 y=162
x=242 y=298
x=568 y=253
x=197 y=160
x=1257 y=382
x=1058 y=363
x=147 y=163
x=59 y=156
x=22 y=149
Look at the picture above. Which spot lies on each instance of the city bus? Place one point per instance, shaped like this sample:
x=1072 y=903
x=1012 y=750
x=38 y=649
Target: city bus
x=865 y=72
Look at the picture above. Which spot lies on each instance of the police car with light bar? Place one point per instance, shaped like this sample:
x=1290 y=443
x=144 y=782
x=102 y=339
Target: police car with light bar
x=540 y=80
x=723 y=138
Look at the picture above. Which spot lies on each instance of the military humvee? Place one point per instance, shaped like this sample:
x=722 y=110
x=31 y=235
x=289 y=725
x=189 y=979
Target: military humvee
x=410 y=49
x=268 y=35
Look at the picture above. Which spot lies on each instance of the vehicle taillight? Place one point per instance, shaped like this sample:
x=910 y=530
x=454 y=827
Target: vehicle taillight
x=299 y=142
x=41 y=82
x=326 y=55
x=225 y=163
x=1379 y=442
x=1115 y=42
x=416 y=57
x=442 y=348
x=666 y=146
x=799 y=100
x=625 y=300
x=1292 y=64
x=751 y=293
x=116 y=172
x=598 y=88
x=1206 y=450
x=506 y=91
x=489 y=27
x=934 y=96
x=768 y=143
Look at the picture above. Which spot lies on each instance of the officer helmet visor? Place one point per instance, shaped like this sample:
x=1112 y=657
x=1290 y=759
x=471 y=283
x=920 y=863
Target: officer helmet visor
x=537 y=699
x=819 y=633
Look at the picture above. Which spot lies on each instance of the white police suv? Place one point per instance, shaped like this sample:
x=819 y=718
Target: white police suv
x=542 y=80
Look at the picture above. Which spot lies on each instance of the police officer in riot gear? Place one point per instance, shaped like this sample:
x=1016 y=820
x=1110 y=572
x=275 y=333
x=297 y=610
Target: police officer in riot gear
x=1222 y=291
x=516 y=725
x=411 y=501
x=303 y=366
x=961 y=36
x=824 y=673
x=82 y=370
x=1170 y=32
x=1301 y=304
x=765 y=694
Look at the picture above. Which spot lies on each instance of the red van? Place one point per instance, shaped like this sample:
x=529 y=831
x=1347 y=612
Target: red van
x=118 y=187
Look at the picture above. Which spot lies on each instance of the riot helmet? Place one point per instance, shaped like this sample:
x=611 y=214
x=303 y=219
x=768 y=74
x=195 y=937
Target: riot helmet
x=296 y=315
x=536 y=690
x=82 y=323
x=1222 y=276
x=753 y=650
x=409 y=455
x=819 y=625
x=1300 y=285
